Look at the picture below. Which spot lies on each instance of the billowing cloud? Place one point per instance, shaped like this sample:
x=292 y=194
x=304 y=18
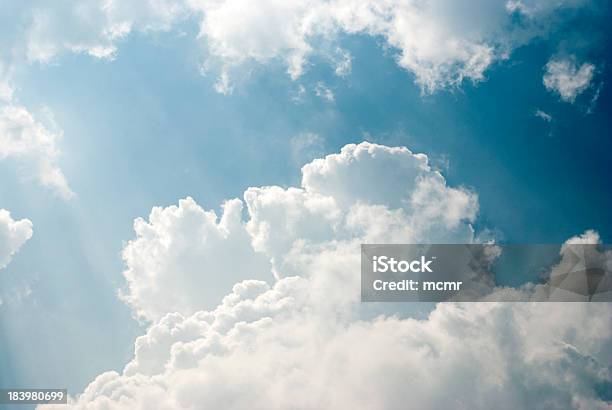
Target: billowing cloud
x=28 y=141
x=13 y=234
x=306 y=341
x=186 y=259
x=271 y=348
x=441 y=42
x=567 y=78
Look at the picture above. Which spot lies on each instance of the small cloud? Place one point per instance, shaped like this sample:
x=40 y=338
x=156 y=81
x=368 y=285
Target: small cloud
x=223 y=84
x=306 y=146
x=593 y=102
x=321 y=90
x=566 y=78
x=13 y=234
x=343 y=62
x=541 y=114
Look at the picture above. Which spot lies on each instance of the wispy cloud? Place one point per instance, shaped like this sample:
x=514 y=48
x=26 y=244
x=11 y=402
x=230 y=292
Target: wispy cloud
x=541 y=114
x=25 y=139
x=324 y=92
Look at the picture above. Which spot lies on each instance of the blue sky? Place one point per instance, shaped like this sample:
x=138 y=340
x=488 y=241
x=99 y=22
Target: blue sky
x=147 y=128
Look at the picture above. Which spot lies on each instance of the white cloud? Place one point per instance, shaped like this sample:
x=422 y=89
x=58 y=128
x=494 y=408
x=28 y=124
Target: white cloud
x=223 y=84
x=184 y=259
x=306 y=342
x=566 y=78
x=441 y=42
x=13 y=234
x=343 y=62
x=28 y=141
x=268 y=351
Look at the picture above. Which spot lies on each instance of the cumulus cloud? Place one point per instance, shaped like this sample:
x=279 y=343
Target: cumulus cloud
x=186 y=259
x=13 y=234
x=265 y=349
x=28 y=141
x=305 y=341
x=566 y=78
x=441 y=42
